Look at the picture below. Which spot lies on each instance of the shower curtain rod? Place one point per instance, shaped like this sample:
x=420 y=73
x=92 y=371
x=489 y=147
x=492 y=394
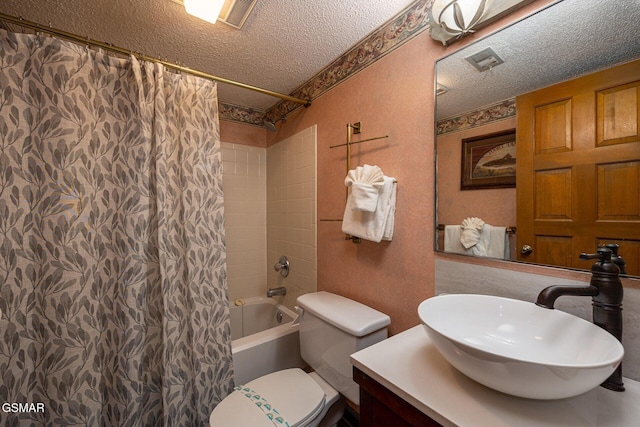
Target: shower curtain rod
x=85 y=40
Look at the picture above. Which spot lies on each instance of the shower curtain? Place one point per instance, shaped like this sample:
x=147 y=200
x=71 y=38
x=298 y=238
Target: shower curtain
x=112 y=260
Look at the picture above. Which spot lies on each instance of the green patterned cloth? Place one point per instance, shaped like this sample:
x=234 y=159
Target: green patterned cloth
x=266 y=407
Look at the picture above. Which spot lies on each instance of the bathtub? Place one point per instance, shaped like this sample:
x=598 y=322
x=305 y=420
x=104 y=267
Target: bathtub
x=263 y=339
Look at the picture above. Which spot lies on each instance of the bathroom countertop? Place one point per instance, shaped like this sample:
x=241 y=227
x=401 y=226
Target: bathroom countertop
x=409 y=365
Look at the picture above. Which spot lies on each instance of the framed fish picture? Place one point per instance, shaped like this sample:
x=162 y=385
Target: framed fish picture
x=489 y=161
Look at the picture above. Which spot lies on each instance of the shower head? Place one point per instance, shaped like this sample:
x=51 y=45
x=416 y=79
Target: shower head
x=272 y=125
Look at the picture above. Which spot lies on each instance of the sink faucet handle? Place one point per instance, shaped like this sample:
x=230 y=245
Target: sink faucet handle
x=604 y=263
x=603 y=254
x=616 y=258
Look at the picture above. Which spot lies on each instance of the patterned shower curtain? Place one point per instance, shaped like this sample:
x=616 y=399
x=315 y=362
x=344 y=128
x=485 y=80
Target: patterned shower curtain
x=112 y=260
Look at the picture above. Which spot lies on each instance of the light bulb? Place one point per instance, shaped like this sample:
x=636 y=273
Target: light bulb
x=209 y=10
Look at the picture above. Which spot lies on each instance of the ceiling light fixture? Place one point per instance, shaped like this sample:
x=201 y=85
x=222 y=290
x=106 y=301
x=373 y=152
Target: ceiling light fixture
x=453 y=19
x=208 y=10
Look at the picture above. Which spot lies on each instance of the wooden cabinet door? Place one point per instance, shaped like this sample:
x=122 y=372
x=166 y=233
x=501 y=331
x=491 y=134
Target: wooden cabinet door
x=578 y=168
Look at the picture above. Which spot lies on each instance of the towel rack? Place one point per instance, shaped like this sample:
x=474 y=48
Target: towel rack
x=509 y=230
x=353 y=129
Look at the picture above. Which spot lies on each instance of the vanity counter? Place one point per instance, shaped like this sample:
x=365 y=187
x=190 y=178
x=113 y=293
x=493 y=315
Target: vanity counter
x=411 y=368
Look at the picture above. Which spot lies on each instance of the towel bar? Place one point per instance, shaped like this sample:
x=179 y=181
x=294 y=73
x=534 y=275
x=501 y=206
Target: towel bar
x=510 y=230
x=354 y=128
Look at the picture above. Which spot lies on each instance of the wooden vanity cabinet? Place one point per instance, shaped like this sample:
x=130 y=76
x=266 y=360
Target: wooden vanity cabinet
x=380 y=407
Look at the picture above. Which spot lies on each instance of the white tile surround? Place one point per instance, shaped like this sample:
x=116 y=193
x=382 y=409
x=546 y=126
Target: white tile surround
x=459 y=277
x=270 y=210
x=291 y=213
x=244 y=182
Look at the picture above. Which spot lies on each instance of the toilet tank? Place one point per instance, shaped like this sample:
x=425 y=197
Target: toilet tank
x=332 y=328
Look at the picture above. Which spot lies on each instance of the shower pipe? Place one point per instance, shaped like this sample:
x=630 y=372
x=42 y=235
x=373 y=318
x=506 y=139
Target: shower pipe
x=87 y=41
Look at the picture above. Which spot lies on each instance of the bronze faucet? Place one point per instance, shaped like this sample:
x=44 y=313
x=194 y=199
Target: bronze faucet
x=617 y=259
x=606 y=291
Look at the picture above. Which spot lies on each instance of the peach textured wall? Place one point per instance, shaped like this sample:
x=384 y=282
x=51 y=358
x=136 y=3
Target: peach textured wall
x=395 y=97
x=496 y=206
x=237 y=133
x=392 y=97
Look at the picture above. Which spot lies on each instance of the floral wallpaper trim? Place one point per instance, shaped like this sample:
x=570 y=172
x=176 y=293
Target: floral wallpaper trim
x=238 y=113
x=390 y=36
x=485 y=115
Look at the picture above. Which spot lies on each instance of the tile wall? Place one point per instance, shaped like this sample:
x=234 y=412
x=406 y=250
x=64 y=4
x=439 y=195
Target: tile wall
x=244 y=176
x=291 y=213
x=267 y=218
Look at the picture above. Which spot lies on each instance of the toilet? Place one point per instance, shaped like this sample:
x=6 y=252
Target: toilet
x=332 y=328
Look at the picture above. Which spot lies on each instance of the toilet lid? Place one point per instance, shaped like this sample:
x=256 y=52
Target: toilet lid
x=289 y=396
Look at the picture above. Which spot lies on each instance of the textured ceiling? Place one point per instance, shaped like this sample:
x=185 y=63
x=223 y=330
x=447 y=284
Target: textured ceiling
x=566 y=40
x=283 y=43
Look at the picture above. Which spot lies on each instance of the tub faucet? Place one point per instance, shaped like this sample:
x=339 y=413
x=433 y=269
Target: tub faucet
x=282 y=266
x=605 y=289
x=271 y=292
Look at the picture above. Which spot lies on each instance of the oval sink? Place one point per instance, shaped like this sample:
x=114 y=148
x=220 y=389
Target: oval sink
x=519 y=348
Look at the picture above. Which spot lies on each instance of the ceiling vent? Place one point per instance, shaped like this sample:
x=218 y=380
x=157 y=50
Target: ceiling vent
x=484 y=60
x=440 y=89
x=236 y=12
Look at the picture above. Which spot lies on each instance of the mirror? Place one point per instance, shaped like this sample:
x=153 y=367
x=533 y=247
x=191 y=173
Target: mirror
x=563 y=41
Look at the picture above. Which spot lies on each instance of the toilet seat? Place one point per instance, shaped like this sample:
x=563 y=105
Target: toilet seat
x=291 y=392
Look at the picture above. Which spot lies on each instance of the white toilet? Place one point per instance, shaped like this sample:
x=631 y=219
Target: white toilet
x=331 y=329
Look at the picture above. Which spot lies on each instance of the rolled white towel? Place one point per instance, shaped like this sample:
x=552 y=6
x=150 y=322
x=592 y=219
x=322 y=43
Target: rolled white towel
x=471 y=228
x=366 y=183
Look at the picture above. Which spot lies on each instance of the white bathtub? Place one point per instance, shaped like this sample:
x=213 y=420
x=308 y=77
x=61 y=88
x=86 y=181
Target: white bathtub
x=261 y=344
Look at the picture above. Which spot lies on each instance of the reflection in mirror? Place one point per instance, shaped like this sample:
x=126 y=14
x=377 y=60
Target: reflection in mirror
x=567 y=40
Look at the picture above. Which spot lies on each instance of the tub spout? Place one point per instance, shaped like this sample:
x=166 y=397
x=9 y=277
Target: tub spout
x=271 y=292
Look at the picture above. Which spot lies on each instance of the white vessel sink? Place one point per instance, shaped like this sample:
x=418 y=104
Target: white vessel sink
x=519 y=348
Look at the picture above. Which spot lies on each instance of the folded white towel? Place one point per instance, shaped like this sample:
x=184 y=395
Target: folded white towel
x=365 y=197
x=492 y=241
x=471 y=228
x=391 y=216
x=498 y=246
x=452 y=243
x=375 y=226
x=365 y=182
